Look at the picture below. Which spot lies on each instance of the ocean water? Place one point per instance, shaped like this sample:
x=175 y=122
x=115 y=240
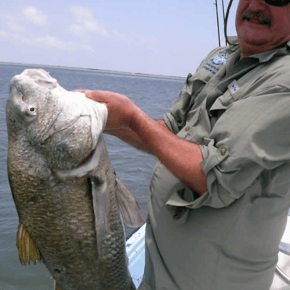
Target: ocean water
x=153 y=94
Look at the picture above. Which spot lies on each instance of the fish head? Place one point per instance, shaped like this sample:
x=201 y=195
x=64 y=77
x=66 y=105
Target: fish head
x=62 y=126
x=30 y=104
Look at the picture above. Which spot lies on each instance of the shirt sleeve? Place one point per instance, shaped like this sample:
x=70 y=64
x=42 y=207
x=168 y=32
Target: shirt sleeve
x=176 y=118
x=248 y=144
x=247 y=152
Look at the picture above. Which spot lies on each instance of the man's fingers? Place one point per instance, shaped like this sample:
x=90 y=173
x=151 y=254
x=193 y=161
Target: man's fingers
x=119 y=107
x=82 y=91
x=100 y=96
x=96 y=95
x=88 y=93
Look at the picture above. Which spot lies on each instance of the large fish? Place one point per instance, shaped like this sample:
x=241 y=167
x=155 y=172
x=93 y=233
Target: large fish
x=66 y=192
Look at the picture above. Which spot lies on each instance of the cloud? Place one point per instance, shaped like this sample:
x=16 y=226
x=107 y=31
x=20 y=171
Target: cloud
x=35 y=15
x=14 y=26
x=15 y=31
x=8 y=17
x=54 y=42
x=134 y=38
x=77 y=29
x=47 y=41
x=3 y=34
x=87 y=47
x=86 y=22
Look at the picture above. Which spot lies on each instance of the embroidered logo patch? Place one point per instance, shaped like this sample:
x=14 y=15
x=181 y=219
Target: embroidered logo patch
x=220 y=59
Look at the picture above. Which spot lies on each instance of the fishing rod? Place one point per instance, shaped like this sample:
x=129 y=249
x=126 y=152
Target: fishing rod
x=225 y=20
x=217 y=19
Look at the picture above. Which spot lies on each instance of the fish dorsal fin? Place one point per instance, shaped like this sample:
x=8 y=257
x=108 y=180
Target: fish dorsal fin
x=26 y=248
x=128 y=206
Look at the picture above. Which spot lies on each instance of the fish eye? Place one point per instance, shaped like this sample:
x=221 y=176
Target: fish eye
x=30 y=112
x=31 y=108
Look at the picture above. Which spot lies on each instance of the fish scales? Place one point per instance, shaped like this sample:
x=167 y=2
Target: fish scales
x=69 y=214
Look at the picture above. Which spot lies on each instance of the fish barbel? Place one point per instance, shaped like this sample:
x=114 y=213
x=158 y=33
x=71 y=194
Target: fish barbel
x=67 y=195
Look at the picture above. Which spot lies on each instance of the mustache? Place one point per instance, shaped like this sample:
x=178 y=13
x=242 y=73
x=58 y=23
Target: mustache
x=263 y=18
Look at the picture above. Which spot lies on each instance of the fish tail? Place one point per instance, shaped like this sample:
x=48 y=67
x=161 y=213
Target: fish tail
x=26 y=248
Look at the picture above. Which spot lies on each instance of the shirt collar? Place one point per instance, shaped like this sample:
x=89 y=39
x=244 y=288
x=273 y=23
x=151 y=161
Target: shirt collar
x=266 y=55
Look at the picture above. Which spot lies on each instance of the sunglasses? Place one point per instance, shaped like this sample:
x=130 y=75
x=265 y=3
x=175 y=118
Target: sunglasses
x=277 y=2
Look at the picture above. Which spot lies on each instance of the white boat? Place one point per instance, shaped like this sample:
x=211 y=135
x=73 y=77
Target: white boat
x=135 y=246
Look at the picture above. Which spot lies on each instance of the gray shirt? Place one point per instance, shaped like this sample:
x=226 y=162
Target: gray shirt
x=238 y=111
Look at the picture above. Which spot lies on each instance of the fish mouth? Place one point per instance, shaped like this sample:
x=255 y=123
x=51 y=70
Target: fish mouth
x=87 y=158
x=89 y=163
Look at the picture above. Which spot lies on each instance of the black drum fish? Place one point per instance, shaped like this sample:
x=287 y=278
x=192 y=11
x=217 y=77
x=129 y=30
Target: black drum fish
x=70 y=203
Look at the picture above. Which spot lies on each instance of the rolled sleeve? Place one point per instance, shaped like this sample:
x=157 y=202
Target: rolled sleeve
x=245 y=148
x=212 y=155
x=246 y=153
x=171 y=122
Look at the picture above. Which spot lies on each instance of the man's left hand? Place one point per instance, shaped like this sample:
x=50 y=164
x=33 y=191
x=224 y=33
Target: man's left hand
x=120 y=108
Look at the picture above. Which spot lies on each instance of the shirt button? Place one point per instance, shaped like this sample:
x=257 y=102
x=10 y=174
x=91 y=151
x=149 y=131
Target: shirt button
x=187 y=128
x=223 y=151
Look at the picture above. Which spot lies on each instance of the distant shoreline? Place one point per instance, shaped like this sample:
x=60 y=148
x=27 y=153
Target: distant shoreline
x=91 y=69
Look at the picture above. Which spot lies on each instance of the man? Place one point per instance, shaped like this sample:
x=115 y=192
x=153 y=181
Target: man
x=219 y=194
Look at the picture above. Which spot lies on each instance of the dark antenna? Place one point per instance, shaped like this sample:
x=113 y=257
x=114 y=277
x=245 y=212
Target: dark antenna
x=226 y=21
x=223 y=9
x=218 y=25
x=224 y=17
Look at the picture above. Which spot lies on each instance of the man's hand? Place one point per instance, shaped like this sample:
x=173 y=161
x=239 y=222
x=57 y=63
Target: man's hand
x=120 y=108
x=132 y=125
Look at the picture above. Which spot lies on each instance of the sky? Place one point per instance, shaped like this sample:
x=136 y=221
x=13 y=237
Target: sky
x=151 y=36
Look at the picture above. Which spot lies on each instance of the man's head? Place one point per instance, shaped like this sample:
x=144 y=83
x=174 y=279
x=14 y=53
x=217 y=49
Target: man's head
x=261 y=26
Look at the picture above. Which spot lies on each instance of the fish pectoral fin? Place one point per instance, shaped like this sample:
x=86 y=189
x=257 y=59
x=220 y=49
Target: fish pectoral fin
x=128 y=206
x=101 y=205
x=26 y=248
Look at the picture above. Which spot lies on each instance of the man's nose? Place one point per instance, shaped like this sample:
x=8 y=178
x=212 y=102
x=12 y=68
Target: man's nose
x=257 y=5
